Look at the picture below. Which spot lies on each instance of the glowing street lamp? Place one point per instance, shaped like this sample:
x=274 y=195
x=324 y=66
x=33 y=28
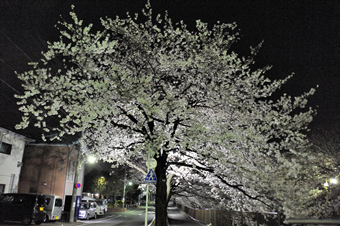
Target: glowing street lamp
x=333 y=181
x=91 y=159
x=130 y=183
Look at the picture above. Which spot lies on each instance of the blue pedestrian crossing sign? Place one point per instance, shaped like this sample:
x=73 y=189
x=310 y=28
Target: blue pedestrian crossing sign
x=151 y=177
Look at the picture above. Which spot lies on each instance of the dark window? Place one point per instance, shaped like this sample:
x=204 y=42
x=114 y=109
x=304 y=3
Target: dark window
x=58 y=202
x=5 y=148
x=48 y=201
x=7 y=199
x=18 y=199
x=41 y=200
x=2 y=188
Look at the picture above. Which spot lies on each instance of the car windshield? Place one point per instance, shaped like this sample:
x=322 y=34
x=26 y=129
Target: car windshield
x=84 y=206
x=99 y=202
x=41 y=200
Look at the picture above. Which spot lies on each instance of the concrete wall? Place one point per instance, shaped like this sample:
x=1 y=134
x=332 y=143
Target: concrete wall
x=10 y=165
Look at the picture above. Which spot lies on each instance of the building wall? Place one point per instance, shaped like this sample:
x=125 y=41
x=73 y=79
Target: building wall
x=49 y=169
x=10 y=164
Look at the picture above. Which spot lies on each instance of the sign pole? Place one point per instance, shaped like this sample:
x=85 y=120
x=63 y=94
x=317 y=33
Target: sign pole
x=147 y=196
x=150 y=178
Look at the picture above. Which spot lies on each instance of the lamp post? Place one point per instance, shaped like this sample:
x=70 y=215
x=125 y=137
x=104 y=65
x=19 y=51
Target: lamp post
x=130 y=183
x=73 y=210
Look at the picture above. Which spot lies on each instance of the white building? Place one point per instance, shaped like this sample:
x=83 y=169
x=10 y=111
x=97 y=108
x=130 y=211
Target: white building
x=12 y=147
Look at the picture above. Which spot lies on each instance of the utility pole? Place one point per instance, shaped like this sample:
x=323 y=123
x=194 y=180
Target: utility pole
x=124 y=188
x=74 y=206
x=74 y=191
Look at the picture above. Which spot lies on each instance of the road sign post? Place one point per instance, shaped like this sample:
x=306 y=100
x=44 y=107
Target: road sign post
x=150 y=178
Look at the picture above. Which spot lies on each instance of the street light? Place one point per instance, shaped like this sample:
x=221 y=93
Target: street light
x=333 y=181
x=130 y=183
x=73 y=210
x=91 y=159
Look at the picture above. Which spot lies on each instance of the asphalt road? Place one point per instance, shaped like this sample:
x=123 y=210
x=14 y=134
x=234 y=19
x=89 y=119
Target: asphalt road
x=132 y=217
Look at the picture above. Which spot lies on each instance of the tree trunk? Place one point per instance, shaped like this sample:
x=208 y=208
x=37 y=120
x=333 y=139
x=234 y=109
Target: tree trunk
x=161 y=191
x=168 y=187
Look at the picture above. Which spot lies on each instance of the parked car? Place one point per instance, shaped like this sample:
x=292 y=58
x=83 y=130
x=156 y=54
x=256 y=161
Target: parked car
x=22 y=207
x=54 y=207
x=103 y=204
x=87 y=210
x=99 y=210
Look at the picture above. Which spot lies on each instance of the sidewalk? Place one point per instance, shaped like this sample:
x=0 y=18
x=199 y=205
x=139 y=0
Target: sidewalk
x=178 y=218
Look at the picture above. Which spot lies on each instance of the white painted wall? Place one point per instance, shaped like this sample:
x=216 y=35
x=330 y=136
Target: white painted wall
x=10 y=165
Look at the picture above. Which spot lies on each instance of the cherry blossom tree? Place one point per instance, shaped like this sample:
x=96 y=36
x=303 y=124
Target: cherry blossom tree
x=325 y=198
x=147 y=87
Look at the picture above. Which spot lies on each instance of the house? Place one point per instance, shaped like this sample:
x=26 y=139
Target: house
x=12 y=147
x=51 y=169
x=29 y=167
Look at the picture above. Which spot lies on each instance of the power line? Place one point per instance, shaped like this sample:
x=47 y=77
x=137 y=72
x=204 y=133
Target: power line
x=16 y=45
x=10 y=86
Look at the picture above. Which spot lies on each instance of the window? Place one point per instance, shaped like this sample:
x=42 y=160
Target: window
x=2 y=188
x=58 y=202
x=48 y=201
x=73 y=170
x=5 y=148
x=68 y=171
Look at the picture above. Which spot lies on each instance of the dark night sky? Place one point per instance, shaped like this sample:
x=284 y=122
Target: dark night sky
x=299 y=36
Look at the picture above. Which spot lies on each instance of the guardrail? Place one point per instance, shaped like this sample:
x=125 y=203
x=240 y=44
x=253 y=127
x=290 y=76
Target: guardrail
x=230 y=218
x=314 y=221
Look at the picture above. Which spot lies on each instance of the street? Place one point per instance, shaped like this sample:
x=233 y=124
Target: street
x=132 y=217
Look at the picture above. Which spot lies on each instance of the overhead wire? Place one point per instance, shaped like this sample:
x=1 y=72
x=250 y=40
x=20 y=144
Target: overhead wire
x=28 y=57
x=15 y=45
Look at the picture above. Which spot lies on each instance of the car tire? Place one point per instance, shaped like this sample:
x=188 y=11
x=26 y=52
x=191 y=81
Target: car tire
x=37 y=222
x=87 y=216
x=95 y=216
x=26 y=220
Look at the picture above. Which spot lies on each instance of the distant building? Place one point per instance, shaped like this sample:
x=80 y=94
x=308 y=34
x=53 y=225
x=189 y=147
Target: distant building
x=12 y=147
x=50 y=169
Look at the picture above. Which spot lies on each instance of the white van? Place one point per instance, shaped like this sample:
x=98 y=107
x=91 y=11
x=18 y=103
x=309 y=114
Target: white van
x=54 y=207
x=87 y=211
x=102 y=203
x=99 y=209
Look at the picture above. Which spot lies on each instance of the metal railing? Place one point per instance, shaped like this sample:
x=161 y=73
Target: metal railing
x=231 y=218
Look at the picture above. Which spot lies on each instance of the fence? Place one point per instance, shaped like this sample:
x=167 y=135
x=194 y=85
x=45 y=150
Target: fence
x=232 y=218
